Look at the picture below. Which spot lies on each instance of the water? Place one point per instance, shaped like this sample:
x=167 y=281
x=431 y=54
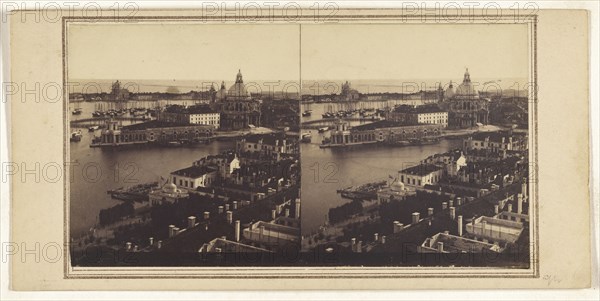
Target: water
x=326 y=170
x=99 y=170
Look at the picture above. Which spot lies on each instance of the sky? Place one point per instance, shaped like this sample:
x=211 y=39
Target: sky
x=419 y=51
x=182 y=51
x=187 y=51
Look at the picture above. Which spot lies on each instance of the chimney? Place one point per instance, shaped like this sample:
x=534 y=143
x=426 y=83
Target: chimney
x=519 y=203
x=297 y=213
x=237 y=230
x=226 y=207
x=171 y=230
x=359 y=246
x=206 y=215
x=287 y=212
x=452 y=212
x=353 y=244
x=446 y=232
x=191 y=222
x=128 y=246
x=444 y=205
x=376 y=237
x=273 y=214
x=496 y=209
x=451 y=203
x=440 y=246
x=159 y=244
x=220 y=210
x=460 y=225
x=509 y=208
x=415 y=218
x=151 y=241
x=235 y=205
x=397 y=226
x=382 y=239
x=524 y=189
x=229 y=217
x=261 y=231
x=175 y=231
x=429 y=211
x=459 y=201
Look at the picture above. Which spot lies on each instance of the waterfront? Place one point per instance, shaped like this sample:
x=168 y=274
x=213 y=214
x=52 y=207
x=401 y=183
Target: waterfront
x=326 y=170
x=96 y=170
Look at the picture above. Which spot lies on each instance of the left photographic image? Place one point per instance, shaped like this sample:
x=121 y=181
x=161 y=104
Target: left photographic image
x=183 y=143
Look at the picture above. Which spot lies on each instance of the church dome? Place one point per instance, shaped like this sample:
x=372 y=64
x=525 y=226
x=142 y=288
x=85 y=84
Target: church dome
x=238 y=90
x=397 y=186
x=466 y=89
x=170 y=187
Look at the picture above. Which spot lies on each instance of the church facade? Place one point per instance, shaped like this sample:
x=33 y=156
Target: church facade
x=464 y=105
x=237 y=108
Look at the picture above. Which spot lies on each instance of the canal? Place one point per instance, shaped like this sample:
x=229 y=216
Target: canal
x=96 y=170
x=326 y=170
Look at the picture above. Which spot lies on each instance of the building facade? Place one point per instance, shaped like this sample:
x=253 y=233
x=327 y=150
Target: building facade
x=200 y=114
x=385 y=131
x=421 y=175
x=497 y=141
x=465 y=107
x=194 y=176
x=154 y=131
x=413 y=115
x=236 y=107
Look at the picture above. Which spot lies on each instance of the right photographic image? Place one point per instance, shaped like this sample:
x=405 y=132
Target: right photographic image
x=416 y=145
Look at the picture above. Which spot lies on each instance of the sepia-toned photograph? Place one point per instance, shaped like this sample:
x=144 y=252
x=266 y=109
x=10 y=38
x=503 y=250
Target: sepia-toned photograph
x=185 y=138
x=417 y=150
x=304 y=148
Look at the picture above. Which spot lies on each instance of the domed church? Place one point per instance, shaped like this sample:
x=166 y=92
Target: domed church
x=238 y=109
x=465 y=107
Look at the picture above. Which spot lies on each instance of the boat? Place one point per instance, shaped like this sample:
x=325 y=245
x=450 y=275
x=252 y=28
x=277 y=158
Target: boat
x=77 y=111
x=75 y=136
x=306 y=138
x=306 y=113
x=93 y=128
x=365 y=191
x=423 y=141
x=323 y=129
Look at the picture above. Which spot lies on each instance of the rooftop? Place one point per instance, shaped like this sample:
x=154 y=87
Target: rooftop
x=152 y=124
x=421 y=169
x=269 y=139
x=377 y=125
x=418 y=109
x=496 y=136
x=194 y=171
x=197 y=109
x=227 y=246
x=454 y=243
